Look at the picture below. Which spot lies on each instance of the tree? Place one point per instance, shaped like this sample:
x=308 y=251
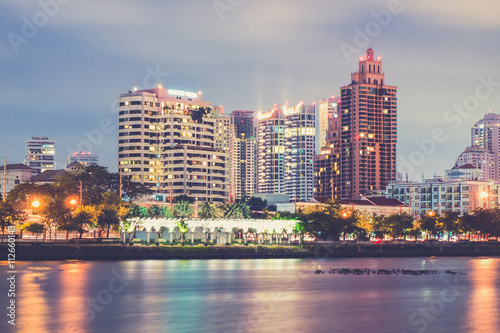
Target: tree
x=82 y=220
x=183 y=210
x=237 y=210
x=183 y=229
x=138 y=211
x=379 y=226
x=399 y=225
x=256 y=204
x=157 y=211
x=300 y=229
x=55 y=213
x=36 y=228
x=450 y=222
x=209 y=211
x=107 y=219
x=467 y=223
x=10 y=216
x=429 y=224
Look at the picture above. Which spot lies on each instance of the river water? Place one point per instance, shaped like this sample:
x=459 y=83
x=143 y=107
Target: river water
x=262 y=295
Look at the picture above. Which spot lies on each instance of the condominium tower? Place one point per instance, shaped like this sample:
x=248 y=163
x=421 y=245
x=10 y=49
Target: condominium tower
x=369 y=130
x=242 y=154
x=167 y=141
x=40 y=154
x=486 y=134
x=285 y=150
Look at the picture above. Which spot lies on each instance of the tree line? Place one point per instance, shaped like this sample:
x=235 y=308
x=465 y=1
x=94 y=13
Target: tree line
x=331 y=221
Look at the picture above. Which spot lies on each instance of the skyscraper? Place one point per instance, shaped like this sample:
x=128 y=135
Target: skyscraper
x=270 y=130
x=486 y=134
x=327 y=163
x=242 y=154
x=369 y=130
x=300 y=147
x=286 y=145
x=167 y=141
x=40 y=154
x=327 y=109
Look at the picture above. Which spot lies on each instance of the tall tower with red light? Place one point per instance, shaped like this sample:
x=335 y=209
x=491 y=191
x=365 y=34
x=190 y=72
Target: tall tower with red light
x=368 y=130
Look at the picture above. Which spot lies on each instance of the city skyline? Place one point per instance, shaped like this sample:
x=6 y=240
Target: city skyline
x=74 y=68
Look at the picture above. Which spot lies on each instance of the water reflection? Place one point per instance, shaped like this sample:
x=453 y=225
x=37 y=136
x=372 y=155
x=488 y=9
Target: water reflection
x=484 y=299
x=253 y=296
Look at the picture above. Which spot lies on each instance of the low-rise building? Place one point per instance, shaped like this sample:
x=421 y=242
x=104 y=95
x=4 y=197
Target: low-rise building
x=440 y=194
x=15 y=174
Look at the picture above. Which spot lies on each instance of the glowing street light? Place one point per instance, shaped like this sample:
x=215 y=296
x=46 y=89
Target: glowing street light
x=431 y=213
x=35 y=204
x=484 y=195
x=73 y=202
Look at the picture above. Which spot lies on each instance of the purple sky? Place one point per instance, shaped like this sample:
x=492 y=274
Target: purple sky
x=62 y=79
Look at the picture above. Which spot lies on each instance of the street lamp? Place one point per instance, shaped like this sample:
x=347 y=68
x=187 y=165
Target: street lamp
x=431 y=213
x=73 y=202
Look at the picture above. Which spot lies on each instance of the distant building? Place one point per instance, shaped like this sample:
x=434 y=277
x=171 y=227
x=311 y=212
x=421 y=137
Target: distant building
x=83 y=158
x=479 y=158
x=168 y=141
x=286 y=141
x=270 y=154
x=369 y=130
x=16 y=174
x=367 y=205
x=327 y=163
x=40 y=154
x=466 y=172
x=327 y=109
x=486 y=134
x=438 y=195
x=242 y=154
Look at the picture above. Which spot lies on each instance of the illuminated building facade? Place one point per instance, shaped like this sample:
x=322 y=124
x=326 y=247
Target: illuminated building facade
x=286 y=141
x=167 y=141
x=486 y=134
x=439 y=195
x=479 y=158
x=242 y=154
x=270 y=130
x=327 y=163
x=300 y=147
x=40 y=154
x=83 y=158
x=327 y=109
x=369 y=130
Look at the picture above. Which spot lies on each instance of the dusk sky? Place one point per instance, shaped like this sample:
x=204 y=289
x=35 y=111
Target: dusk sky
x=64 y=78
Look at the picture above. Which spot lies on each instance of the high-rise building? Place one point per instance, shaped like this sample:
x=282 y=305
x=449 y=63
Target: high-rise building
x=327 y=109
x=300 y=147
x=369 y=130
x=242 y=154
x=479 y=158
x=270 y=154
x=167 y=141
x=327 y=163
x=83 y=158
x=40 y=154
x=286 y=144
x=486 y=134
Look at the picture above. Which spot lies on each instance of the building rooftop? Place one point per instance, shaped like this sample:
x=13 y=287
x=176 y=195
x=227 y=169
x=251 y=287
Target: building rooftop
x=48 y=176
x=17 y=166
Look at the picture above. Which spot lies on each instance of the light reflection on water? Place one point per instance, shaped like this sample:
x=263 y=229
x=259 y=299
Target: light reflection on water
x=262 y=295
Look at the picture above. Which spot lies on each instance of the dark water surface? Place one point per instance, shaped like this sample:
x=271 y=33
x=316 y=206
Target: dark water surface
x=262 y=295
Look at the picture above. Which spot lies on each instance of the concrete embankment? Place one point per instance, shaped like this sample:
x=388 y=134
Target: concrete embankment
x=27 y=251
